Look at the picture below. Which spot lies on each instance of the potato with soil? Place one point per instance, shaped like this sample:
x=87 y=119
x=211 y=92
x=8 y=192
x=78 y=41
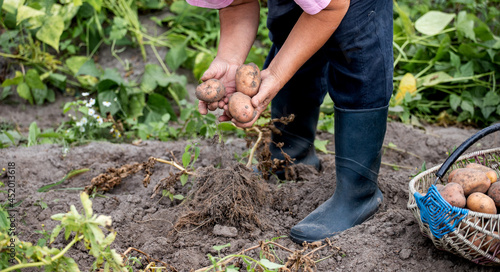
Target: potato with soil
x=453 y=193
x=490 y=173
x=494 y=193
x=240 y=107
x=210 y=91
x=248 y=79
x=472 y=180
x=482 y=203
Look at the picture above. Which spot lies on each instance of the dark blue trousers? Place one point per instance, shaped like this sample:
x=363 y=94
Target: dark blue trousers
x=355 y=67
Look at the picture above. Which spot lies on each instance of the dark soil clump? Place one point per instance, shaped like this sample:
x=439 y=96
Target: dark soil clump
x=233 y=196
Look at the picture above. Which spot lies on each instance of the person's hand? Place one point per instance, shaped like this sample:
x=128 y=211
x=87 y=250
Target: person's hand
x=226 y=73
x=269 y=87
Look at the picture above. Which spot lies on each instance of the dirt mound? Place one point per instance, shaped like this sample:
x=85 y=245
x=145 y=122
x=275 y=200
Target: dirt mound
x=233 y=196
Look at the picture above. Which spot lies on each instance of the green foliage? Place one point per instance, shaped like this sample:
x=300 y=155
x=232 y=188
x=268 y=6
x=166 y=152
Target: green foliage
x=252 y=264
x=86 y=228
x=455 y=57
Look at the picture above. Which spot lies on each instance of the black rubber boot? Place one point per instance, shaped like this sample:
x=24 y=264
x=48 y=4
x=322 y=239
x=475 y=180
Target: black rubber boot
x=359 y=136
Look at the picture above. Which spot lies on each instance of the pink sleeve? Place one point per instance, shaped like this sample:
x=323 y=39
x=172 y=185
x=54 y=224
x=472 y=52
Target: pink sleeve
x=312 y=6
x=213 y=4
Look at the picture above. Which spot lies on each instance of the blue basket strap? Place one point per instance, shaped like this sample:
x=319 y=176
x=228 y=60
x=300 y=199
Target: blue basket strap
x=441 y=217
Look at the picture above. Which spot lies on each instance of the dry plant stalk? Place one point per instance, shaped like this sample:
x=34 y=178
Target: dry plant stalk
x=114 y=176
x=298 y=260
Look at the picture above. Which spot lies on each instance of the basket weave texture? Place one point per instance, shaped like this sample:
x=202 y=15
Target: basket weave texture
x=472 y=235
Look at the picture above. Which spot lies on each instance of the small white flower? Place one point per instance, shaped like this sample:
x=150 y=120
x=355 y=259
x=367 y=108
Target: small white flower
x=91 y=111
x=90 y=103
x=99 y=120
x=85 y=94
x=115 y=99
x=84 y=120
x=106 y=103
x=111 y=130
x=82 y=129
x=78 y=124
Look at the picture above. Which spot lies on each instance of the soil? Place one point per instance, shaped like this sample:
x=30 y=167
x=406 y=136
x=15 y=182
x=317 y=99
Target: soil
x=390 y=241
x=227 y=203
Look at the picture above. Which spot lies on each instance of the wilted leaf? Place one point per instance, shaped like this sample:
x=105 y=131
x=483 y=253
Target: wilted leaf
x=26 y=12
x=408 y=85
x=51 y=31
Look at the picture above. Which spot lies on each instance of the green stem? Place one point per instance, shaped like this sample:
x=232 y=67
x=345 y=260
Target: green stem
x=160 y=61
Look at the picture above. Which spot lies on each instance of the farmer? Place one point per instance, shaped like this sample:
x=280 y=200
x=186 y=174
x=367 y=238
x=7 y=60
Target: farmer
x=337 y=46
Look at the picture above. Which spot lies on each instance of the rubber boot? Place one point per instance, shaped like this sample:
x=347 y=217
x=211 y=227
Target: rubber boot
x=359 y=136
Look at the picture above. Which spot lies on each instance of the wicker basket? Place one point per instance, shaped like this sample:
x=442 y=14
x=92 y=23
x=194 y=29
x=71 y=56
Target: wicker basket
x=472 y=235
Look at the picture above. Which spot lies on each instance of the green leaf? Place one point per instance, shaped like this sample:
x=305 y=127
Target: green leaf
x=38 y=88
x=455 y=101
x=270 y=265
x=186 y=158
x=405 y=19
x=444 y=47
x=96 y=4
x=455 y=60
x=471 y=51
x=433 y=22
x=72 y=173
x=18 y=78
x=136 y=105
x=26 y=12
x=112 y=74
x=184 y=179
x=119 y=29
x=160 y=105
x=492 y=98
x=33 y=134
x=24 y=92
x=321 y=145
x=108 y=102
x=55 y=232
x=487 y=111
x=88 y=68
x=221 y=247
x=176 y=56
x=75 y=63
x=465 y=25
x=58 y=80
x=468 y=107
x=51 y=31
x=467 y=69
x=201 y=64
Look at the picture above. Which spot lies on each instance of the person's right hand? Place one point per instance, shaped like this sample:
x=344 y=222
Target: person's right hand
x=225 y=72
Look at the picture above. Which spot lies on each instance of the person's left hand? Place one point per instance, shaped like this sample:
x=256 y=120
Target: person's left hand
x=269 y=87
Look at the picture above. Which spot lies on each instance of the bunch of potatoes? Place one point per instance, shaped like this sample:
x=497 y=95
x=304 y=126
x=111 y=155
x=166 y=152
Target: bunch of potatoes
x=475 y=187
x=239 y=105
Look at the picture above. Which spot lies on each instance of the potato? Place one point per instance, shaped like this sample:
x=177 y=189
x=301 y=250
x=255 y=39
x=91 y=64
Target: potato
x=487 y=243
x=482 y=203
x=248 y=79
x=210 y=91
x=472 y=180
x=453 y=193
x=490 y=173
x=494 y=193
x=240 y=107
